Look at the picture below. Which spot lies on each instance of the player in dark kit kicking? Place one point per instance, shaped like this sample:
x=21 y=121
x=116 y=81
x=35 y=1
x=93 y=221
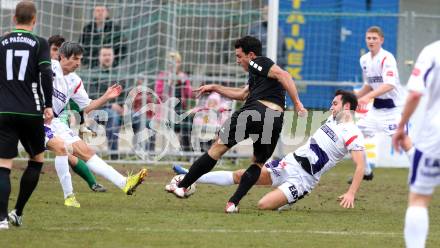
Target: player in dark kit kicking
x=24 y=70
x=260 y=118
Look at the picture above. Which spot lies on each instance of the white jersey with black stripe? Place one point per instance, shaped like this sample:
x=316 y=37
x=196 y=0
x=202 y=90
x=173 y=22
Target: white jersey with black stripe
x=380 y=69
x=329 y=145
x=66 y=88
x=425 y=79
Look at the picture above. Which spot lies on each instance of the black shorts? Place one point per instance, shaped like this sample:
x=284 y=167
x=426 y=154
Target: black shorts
x=28 y=129
x=258 y=122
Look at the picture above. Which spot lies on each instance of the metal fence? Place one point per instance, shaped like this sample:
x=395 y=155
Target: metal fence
x=203 y=33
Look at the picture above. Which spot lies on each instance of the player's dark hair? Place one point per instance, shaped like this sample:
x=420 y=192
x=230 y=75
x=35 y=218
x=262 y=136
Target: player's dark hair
x=249 y=44
x=69 y=48
x=348 y=97
x=25 y=11
x=56 y=40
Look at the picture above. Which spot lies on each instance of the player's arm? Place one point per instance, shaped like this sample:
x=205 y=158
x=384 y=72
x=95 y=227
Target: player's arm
x=411 y=104
x=230 y=92
x=46 y=75
x=111 y=93
x=364 y=90
x=288 y=84
x=365 y=87
x=399 y=137
x=389 y=76
x=81 y=97
x=347 y=199
x=367 y=93
x=382 y=89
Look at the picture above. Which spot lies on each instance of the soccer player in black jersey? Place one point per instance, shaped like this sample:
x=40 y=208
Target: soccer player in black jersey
x=260 y=118
x=24 y=70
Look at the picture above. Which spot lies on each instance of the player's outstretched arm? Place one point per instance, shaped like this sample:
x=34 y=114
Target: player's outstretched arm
x=289 y=85
x=347 y=199
x=111 y=93
x=364 y=90
x=365 y=99
x=230 y=92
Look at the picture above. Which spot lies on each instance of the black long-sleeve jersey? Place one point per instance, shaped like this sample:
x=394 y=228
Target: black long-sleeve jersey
x=25 y=71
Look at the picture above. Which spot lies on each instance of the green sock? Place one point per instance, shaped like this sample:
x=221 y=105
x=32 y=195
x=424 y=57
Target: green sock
x=83 y=171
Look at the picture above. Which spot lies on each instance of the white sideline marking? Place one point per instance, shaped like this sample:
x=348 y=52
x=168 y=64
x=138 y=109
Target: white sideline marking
x=157 y=230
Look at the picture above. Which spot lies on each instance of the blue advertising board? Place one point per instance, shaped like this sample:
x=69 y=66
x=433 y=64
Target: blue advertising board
x=325 y=39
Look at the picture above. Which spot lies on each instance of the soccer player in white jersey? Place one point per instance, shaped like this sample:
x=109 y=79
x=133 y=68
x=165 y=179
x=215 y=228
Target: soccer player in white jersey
x=65 y=88
x=381 y=84
x=77 y=165
x=299 y=172
x=424 y=173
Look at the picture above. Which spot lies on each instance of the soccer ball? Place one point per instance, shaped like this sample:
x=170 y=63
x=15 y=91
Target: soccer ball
x=190 y=190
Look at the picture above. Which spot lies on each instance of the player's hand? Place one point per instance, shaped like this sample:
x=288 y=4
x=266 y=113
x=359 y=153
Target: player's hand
x=204 y=89
x=363 y=103
x=113 y=91
x=347 y=200
x=302 y=112
x=399 y=138
x=48 y=115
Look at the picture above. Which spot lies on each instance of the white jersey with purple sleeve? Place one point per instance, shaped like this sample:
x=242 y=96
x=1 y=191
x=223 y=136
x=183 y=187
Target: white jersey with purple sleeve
x=65 y=88
x=79 y=94
x=380 y=69
x=425 y=79
x=329 y=145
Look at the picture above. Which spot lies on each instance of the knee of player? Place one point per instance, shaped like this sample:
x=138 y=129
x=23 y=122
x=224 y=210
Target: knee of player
x=264 y=205
x=85 y=154
x=217 y=150
x=72 y=160
x=58 y=147
x=82 y=150
x=237 y=175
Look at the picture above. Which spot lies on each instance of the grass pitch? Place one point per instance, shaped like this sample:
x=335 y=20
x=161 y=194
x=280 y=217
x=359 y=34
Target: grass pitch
x=153 y=218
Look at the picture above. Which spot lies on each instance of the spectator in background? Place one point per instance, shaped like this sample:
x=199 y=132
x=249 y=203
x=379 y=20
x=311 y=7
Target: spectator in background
x=259 y=31
x=209 y=117
x=102 y=31
x=102 y=79
x=140 y=100
x=175 y=83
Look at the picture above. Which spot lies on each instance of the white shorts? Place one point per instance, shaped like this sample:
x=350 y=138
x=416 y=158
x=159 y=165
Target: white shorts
x=290 y=178
x=380 y=121
x=424 y=173
x=60 y=129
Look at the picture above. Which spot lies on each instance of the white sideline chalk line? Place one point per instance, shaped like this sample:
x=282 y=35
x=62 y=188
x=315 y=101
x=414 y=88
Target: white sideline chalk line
x=156 y=230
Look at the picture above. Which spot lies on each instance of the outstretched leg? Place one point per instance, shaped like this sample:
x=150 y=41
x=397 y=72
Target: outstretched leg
x=98 y=166
x=248 y=179
x=272 y=200
x=204 y=164
x=80 y=168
